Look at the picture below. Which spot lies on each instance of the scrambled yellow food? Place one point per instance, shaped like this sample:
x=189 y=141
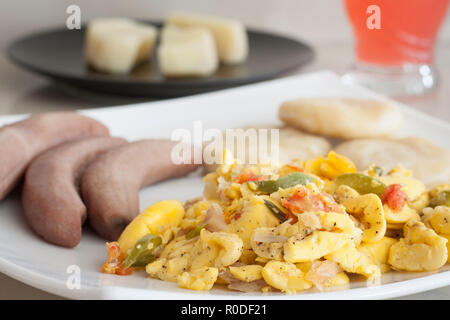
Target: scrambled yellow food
x=289 y=228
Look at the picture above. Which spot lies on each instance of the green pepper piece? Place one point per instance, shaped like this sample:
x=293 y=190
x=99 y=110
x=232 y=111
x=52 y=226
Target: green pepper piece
x=290 y=180
x=142 y=262
x=142 y=252
x=441 y=199
x=195 y=231
x=360 y=182
x=280 y=215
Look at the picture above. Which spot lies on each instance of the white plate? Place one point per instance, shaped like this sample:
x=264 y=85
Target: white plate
x=27 y=258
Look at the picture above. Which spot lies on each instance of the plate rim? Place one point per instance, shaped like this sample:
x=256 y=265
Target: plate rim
x=111 y=292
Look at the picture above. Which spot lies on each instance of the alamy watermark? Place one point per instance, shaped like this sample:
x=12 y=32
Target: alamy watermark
x=374 y=20
x=206 y=146
x=73 y=281
x=73 y=21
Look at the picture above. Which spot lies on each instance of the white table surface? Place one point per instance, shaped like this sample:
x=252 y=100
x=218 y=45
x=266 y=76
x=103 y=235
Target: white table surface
x=21 y=92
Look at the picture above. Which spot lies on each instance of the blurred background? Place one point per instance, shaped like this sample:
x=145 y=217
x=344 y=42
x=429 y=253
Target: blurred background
x=321 y=23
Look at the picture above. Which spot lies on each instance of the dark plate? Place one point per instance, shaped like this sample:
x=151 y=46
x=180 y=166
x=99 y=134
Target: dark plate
x=58 y=54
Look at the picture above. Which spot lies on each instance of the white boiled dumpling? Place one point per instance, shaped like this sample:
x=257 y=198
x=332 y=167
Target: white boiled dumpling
x=230 y=35
x=187 y=52
x=116 y=45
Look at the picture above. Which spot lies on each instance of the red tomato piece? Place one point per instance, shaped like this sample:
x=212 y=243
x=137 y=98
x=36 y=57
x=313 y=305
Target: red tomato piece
x=246 y=177
x=113 y=265
x=394 y=197
x=303 y=201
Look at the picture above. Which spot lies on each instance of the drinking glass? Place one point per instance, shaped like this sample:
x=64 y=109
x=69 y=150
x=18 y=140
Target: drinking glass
x=395 y=42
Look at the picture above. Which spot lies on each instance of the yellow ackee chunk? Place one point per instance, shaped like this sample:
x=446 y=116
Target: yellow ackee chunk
x=440 y=219
x=378 y=252
x=334 y=221
x=420 y=250
x=254 y=214
x=314 y=246
x=312 y=221
x=199 y=279
x=421 y=202
x=178 y=247
x=261 y=261
x=195 y=215
x=368 y=209
x=344 y=193
x=328 y=186
x=332 y=167
x=234 y=192
x=248 y=256
x=156 y=219
x=218 y=249
x=167 y=269
x=247 y=273
x=173 y=260
x=407 y=213
x=304 y=266
x=285 y=277
x=447 y=236
x=337 y=223
x=268 y=250
x=211 y=249
x=354 y=261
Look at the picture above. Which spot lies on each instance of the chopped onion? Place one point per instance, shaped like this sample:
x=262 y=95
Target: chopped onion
x=214 y=219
